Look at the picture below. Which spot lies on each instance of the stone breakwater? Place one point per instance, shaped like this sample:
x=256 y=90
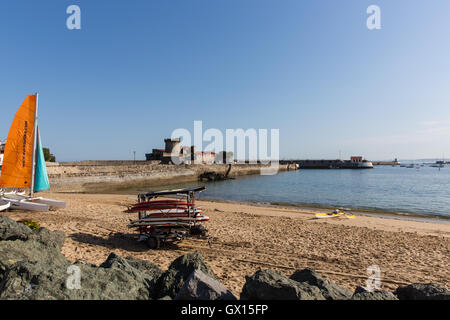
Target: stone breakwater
x=95 y=176
x=32 y=267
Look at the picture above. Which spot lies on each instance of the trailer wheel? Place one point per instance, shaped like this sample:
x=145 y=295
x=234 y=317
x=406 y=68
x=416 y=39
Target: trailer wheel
x=198 y=230
x=153 y=243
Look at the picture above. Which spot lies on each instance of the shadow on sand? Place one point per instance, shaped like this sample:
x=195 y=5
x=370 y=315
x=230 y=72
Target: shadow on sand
x=119 y=241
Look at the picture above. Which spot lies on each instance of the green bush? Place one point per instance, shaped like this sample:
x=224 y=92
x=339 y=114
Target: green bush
x=48 y=156
x=33 y=225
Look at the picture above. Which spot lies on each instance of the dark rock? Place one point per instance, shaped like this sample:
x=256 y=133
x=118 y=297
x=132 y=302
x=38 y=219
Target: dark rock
x=12 y=230
x=47 y=236
x=362 y=293
x=147 y=270
x=33 y=280
x=213 y=176
x=180 y=269
x=422 y=291
x=330 y=290
x=132 y=265
x=145 y=266
x=199 y=286
x=43 y=281
x=12 y=252
x=21 y=244
x=115 y=283
x=360 y=289
x=270 y=285
x=115 y=261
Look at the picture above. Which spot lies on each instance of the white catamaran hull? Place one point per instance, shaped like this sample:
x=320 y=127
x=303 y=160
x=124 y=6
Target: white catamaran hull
x=24 y=205
x=53 y=204
x=3 y=207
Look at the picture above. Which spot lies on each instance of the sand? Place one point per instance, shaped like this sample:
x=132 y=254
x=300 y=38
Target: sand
x=245 y=238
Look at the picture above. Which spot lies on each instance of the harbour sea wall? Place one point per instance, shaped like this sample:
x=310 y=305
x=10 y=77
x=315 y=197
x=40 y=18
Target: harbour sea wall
x=100 y=176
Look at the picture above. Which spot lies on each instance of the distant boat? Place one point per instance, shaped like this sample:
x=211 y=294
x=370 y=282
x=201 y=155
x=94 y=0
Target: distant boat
x=438 y=164
x=353 y=163
x=23 y=162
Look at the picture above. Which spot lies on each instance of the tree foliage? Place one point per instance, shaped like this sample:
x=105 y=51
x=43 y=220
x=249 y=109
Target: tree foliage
x=48 y=156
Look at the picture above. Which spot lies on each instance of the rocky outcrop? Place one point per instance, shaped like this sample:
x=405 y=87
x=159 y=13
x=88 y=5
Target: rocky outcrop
x=362 y=293
x=271 y=285
x=199 y=286
x=11 y=230
x=41 y=281
x=146 y=267
x=329 y=290
x=33 y=267
x=213 y=176
x=146 y=272
x=47 y=236
x=115 y=279
x=35 y=249
x=421 y=291
x=181 y=268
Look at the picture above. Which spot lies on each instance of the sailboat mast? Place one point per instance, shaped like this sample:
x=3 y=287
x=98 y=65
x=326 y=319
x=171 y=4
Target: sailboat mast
x=33 y=161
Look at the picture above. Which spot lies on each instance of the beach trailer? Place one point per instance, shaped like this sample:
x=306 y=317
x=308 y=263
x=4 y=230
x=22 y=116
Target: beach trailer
x=168 y=219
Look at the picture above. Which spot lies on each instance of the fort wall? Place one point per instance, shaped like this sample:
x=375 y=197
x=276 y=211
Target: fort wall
x=101 y=176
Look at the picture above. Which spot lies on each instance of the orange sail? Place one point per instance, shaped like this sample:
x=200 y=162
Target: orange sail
x=18 y=155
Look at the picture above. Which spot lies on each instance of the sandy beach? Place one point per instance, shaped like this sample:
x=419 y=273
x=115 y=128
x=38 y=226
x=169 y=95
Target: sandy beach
x=245 y=238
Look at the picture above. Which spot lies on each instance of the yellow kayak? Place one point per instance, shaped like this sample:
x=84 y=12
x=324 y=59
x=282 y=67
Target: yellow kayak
x=329 y=215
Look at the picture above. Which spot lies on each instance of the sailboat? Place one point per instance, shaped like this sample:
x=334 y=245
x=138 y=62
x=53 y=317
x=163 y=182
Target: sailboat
x=24 y=163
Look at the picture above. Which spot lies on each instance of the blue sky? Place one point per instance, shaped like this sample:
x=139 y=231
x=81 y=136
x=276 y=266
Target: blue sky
x=137 y=70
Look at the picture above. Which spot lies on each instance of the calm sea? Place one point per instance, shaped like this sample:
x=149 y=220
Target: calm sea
x=424 y=191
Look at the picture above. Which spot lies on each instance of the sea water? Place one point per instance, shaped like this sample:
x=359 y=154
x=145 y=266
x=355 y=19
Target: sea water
x=424 y=191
